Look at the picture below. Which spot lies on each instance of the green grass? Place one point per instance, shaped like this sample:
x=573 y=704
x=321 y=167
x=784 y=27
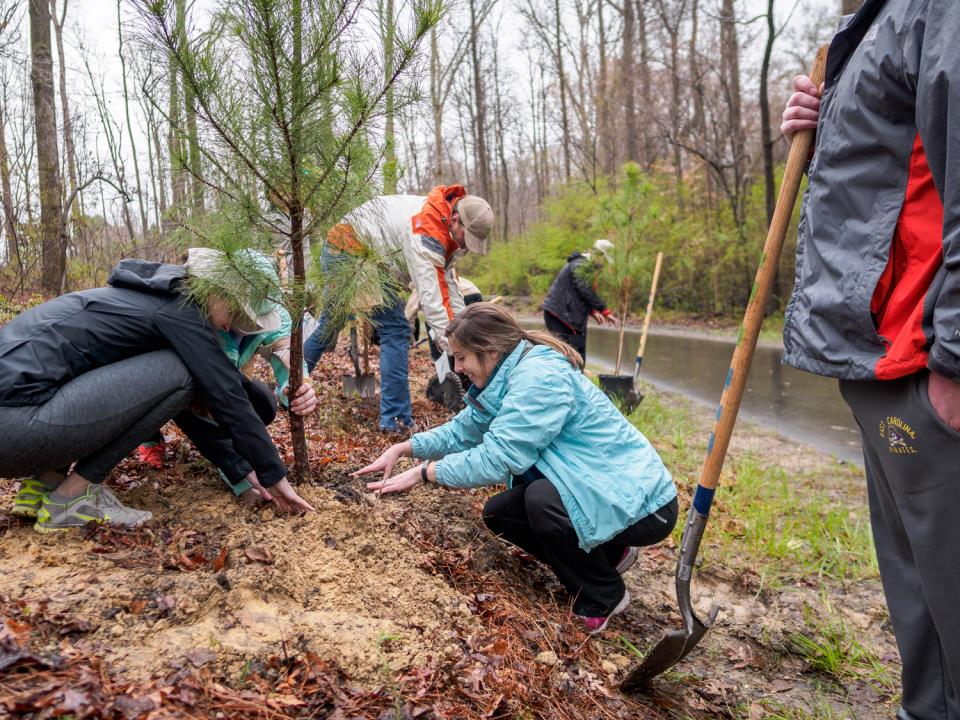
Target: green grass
x=831 y=648
x=783 y=527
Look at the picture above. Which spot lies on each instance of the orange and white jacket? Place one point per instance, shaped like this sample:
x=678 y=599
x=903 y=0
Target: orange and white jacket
x=412 y=233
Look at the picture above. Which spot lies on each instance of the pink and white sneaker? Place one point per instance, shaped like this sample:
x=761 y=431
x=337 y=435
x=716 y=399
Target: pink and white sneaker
x=594 y=625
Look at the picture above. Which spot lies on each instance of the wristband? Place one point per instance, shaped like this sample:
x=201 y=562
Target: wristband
x=423 y=472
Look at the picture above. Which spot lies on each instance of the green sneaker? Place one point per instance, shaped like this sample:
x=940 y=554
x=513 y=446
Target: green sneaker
x=26 y=503
x=97 y=504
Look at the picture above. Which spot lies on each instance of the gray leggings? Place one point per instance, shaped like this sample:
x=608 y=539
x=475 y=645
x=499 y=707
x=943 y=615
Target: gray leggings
x=95 y=419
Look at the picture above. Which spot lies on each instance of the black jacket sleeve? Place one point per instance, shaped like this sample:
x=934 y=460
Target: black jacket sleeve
x=582 y=286
x=219 y=384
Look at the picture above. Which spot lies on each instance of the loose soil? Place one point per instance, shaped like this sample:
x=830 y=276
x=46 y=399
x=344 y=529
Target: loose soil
x=393 y=607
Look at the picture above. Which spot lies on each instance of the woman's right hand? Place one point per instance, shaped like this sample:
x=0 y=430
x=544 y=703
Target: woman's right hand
x=803 y=107
x=385 y=462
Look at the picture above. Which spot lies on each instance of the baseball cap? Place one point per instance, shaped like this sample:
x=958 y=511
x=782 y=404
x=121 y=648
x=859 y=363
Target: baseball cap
x=605 y=248
x=252 y=316
x=477 y=218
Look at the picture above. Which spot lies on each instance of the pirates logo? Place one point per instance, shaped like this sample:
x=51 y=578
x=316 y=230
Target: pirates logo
x=899 y=436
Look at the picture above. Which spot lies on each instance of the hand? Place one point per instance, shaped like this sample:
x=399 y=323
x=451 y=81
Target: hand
x=282 y=495
x=398 y=483
x=595 y=314
x=611 y=318
x=803 y=107
x=386 y=461
x=944 y=395
x=304 y=401
x=251 y=496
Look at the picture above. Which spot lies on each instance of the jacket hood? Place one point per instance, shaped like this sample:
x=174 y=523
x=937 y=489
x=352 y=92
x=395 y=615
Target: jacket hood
x=147 y=276
x=574 y=255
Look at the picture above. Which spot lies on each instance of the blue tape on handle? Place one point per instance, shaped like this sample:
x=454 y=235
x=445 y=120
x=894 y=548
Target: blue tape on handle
x=703 y=499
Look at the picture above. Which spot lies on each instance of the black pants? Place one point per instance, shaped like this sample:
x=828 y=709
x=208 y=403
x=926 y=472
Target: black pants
x=215 y=444
x=577 y=339
x=532 y=517
x=96 y=418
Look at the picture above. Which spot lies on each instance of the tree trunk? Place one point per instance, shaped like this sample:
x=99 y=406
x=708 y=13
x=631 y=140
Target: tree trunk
x=645 y=92
x=480 y=110
x=192 y=150
x=501 y=152
x=607 y=144
x=9 y=217
x=848 y=7
x=76 y=211
x=144 y=220
x=730 y=60
x=390 y=168
x=436 y=106
x=564 y=122
x=53 y=246
x=161 y=176
x=178 y=183
x=301 y=459
x=628 y=75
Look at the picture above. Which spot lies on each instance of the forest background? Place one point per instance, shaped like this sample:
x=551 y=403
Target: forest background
x=534 y=104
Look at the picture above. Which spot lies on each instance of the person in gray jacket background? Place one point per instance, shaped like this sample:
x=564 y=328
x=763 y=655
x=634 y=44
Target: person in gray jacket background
x=877 y=305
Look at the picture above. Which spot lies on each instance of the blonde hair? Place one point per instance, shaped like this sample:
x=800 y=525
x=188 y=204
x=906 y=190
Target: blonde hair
x=485 y=328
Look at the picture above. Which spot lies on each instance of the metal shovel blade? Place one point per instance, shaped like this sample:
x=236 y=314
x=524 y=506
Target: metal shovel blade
x=673 y=647
x=677 y=644
x=363 y=385
x=622 y=388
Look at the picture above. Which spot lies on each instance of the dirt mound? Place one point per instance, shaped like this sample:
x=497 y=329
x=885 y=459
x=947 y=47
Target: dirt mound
x=339 y=583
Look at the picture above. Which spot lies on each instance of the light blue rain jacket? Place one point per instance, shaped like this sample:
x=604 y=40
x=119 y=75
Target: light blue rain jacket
x=538 y=410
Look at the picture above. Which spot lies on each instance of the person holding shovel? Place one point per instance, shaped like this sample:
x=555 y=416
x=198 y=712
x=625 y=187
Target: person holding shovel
x=584 y=487
x=87 y=376
x=572 y=298
x=421 y=239
x=877 y=305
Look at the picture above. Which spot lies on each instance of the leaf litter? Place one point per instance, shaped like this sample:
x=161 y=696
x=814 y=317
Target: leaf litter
x=397 y=607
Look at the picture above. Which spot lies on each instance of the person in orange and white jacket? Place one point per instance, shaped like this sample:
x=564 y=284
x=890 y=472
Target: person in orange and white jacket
x=421 y=237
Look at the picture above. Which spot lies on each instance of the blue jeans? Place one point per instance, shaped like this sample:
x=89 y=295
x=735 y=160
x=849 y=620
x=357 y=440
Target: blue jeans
x=396 y=411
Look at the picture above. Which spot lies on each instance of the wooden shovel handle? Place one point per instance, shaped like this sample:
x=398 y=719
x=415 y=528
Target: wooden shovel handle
x=759 y=297
x=646 y=318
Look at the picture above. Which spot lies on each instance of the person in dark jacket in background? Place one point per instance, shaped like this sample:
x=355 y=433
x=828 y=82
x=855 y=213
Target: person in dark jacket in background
x=572 y=298
x=85 y=377
x=877 y=305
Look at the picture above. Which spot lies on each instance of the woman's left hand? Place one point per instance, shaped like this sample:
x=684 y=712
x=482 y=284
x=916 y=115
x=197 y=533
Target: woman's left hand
x=304 y=401
x=398 y=483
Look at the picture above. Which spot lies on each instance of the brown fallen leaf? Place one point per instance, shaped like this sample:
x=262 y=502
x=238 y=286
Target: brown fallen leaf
x=781 y=685
x=137 y=606
x=199 y=657
x=132 y=708
x=221 y=560
x=260 y=554
x=167 y=602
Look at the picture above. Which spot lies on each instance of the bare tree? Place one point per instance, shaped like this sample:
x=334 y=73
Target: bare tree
x=69 y=148
x=144 y=220
x=9 y=36
x=54 y=245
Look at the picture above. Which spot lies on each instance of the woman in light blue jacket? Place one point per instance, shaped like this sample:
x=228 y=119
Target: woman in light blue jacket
x=584 y=487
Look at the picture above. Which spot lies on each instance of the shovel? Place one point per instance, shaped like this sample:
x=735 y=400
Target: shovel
x=362 y=384
x=624 y=385
x=677 y=644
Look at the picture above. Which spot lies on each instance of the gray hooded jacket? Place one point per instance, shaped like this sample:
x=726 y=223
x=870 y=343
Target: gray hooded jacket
x=893 y=74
